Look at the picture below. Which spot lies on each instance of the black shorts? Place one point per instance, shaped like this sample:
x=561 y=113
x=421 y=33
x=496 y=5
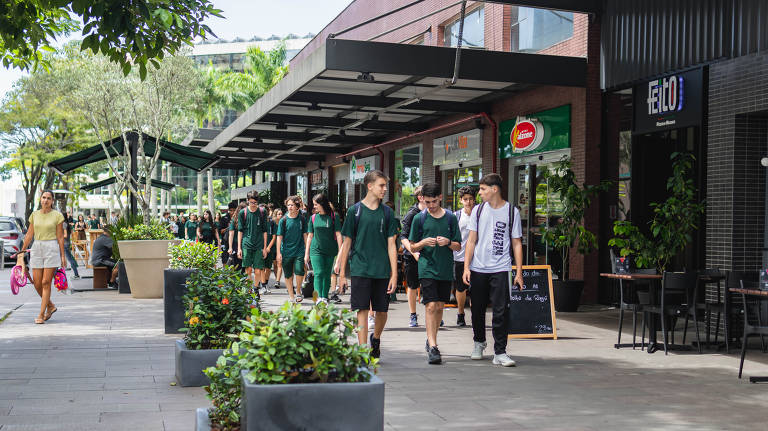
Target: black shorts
x=109 y=263
x=411 y=272
x=435 y=290
x=369 y=293
x=458 y=277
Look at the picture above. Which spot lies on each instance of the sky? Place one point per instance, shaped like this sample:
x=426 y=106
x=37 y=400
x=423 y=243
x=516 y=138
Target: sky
x=248 y=18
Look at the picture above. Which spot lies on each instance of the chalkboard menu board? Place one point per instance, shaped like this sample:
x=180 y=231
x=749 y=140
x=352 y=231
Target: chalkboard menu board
x=532 y=310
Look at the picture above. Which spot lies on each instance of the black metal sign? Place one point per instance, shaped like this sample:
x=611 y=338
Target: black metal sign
x=670 y=102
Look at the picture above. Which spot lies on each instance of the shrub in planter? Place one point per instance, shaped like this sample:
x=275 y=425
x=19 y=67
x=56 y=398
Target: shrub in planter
x=289 y=346
x=144 y=249
x=151 y=231
x=185 y=258
x=216 y=299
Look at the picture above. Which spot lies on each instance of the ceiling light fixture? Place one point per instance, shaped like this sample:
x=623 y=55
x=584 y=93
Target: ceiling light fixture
x=342 y=132
x=281 y=126
x=313 y=107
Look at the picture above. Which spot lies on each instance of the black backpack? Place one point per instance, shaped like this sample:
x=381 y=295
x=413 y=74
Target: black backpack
x=511 y=224
x=358 y=210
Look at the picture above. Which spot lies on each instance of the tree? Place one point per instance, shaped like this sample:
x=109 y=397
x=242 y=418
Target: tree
x=239 y=90
x=128 y=32
x=115 y=105
x=36 y=128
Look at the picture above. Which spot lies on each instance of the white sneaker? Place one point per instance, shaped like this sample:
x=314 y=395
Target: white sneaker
x=263 y=291
x=477 y=352
x=371 y=323
x=504 y=360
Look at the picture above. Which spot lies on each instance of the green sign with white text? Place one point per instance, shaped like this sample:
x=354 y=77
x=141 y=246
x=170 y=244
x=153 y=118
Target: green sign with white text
x=539 y=132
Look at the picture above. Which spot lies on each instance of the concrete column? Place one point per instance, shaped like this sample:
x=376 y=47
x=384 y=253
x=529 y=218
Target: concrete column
x=199 y=193
x=211 y=202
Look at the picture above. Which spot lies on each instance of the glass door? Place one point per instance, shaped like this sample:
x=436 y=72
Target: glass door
x=456 y=179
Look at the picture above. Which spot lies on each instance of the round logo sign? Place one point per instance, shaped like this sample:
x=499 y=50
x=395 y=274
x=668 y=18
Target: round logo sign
x=526 y=136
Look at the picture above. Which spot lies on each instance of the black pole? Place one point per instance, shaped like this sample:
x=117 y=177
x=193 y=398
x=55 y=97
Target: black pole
x=134 y=149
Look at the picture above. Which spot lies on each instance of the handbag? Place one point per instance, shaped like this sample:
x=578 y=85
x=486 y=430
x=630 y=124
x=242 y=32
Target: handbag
x=60 y=280
x=623 y=264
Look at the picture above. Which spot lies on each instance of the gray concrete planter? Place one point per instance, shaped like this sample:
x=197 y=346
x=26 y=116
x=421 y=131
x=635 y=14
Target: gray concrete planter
x=202 y=421
x=191 y=363
x=123 y=286
x=174 y=288
x=324 y=406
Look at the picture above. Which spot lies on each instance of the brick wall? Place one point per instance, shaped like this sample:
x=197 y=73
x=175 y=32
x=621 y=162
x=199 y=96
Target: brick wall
x=737 y=140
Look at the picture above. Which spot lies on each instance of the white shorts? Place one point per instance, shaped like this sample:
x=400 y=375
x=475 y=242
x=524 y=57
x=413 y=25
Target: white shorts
x=45 y=254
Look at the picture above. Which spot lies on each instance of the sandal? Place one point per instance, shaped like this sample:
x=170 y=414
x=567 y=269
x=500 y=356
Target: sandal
x=39 y=321
x=50 y=313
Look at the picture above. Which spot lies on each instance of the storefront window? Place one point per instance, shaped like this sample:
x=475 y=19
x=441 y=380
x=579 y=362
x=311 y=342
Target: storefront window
x=456 y=179
x=474 y=31
x=625 y=174
x=407 y=178
x=538 y=29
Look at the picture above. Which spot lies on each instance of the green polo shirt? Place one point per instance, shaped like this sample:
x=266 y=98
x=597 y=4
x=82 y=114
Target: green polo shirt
x=191 y=227
x=435 y=262
x=292 y=230
x=252 y=225
x=206 y=230
x=323 y=229
x=369 y=256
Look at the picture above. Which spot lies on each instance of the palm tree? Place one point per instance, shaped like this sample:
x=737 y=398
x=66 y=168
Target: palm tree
x=239 y=90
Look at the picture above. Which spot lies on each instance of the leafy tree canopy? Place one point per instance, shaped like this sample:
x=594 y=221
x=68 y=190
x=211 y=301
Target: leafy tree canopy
x=129 y=32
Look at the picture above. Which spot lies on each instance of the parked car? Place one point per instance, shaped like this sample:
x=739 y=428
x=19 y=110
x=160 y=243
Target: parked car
x=12 y=233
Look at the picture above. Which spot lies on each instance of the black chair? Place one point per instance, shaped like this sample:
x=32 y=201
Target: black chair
x=753 y=321
x=698 y=302
x=675 y=290
x=630 y=294
x=730 y=307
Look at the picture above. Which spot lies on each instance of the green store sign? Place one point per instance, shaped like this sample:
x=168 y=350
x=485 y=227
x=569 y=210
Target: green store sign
x=536 y=133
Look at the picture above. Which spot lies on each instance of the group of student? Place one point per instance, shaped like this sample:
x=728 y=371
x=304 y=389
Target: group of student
x=472 y=248
x=261 y=239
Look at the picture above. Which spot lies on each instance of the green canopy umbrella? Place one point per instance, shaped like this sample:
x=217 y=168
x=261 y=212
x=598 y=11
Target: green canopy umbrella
x=111 y=180
x=169 y=152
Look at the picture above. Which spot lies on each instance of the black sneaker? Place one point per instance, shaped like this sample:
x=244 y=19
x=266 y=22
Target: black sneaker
x=335 y=298
x=460 y=321
x=433 y=356
x=375 y=346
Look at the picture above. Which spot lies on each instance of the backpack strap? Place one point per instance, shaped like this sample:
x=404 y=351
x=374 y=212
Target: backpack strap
x=422 y=215
x=509 y=229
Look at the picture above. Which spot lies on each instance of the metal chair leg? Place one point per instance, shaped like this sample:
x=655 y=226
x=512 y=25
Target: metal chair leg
x=621 y=323
x=743 y=353
x=664 y=330
x=642 y=336
x=696 y=324
x=634 y=327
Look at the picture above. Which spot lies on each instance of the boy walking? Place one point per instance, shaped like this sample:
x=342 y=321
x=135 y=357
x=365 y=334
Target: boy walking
x=467 y=196
x=291 y=238
x=494 y=235
x=369 y=242
x=251 y=237
x=435 y=234
x=411 y=257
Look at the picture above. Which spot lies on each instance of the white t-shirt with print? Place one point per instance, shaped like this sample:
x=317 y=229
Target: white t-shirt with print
x=493 y=244
x=458 y=256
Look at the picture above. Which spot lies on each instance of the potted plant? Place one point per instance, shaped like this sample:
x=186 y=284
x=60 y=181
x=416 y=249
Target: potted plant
x=115 y=231
x=297 y=354
x=216 y=301
x=144 y=249
x=672 y=225
x=568 y=232
x=186 y=257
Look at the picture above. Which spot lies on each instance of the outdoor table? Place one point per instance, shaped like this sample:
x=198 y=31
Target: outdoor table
x=761 y=295
x=651 y=322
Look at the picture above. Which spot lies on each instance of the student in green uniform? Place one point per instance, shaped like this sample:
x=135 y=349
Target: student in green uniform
x=271 y=254
x=207 y=230
x=369 y=242
x=191 y=227
x=277 y=215
x=233 y=232
x=291 y=237
x=435 y=235
x=323 y=243
x=251 y=237
x=93 y=222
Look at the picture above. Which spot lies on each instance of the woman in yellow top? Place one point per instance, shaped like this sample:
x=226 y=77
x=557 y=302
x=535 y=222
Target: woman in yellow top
x=47 y=254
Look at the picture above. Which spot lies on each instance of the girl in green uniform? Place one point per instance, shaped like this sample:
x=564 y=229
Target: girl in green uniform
x=270 y=248
x=207 y=231
x=291 y=238
x=276 y=215
x=191 y=227
x=323 y=243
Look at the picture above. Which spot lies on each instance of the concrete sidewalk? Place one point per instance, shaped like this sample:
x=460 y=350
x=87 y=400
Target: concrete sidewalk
x=103 y=363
